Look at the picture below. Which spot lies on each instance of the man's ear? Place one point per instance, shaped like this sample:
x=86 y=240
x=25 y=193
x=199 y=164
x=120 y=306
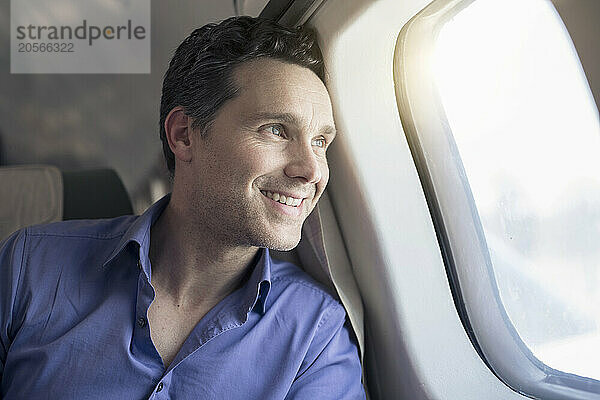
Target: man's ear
x=178 y=129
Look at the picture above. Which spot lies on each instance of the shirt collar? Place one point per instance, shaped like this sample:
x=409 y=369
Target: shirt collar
x=139 y=232
x=255 y=290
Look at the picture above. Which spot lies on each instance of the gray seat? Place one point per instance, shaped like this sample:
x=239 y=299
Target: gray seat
x=37 y=194
x=97 y=193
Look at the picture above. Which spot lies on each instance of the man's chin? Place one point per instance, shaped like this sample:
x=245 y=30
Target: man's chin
x=283 y=247
x=281 y=242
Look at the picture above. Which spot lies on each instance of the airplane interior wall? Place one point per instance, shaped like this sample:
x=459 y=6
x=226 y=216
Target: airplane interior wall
x=417 y=347
x=579 y=16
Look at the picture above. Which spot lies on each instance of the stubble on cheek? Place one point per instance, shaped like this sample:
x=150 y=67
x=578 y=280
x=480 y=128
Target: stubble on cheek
x=245 y=220
x=270 y=229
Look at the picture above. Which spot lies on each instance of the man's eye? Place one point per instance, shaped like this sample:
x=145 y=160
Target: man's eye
x=276 y=130
x=321 y=142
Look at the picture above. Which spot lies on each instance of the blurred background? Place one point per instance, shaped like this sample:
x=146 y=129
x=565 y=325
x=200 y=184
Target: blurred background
x=87 y=121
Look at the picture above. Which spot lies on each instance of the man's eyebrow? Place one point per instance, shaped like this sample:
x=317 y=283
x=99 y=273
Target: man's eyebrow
x=289 y=118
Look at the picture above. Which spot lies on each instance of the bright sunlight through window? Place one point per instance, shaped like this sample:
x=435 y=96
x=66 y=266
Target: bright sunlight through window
x=528 y=133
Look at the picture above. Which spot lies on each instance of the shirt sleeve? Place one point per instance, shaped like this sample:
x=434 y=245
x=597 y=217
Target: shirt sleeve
x=331 y=368
x=11 y=259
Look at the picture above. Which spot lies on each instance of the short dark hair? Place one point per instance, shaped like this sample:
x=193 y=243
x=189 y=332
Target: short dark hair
x=199 y=77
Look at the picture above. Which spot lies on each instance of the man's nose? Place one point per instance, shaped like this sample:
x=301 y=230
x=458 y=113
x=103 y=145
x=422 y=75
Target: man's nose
x=303 y=163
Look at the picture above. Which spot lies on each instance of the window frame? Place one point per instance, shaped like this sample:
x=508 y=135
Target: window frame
x=456 y=220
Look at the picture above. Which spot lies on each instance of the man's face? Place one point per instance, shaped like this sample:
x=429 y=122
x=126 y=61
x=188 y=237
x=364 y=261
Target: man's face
x=262 y=167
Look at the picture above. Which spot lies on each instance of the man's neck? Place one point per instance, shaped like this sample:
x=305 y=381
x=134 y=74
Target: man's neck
x=188 y=265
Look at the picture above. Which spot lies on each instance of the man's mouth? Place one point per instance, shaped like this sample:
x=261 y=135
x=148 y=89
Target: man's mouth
x=283 y=199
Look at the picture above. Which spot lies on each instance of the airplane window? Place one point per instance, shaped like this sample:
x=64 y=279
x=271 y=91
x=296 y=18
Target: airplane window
x=527 y=130
x=505 y=134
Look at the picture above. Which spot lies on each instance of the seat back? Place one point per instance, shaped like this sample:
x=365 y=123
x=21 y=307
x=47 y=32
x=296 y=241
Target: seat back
x=29 y=194
x=97 y=193
x=39 y=194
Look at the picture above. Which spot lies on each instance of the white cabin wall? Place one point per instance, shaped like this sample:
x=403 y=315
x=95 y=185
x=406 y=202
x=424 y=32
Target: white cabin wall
x=417 y=347
x=581 y=17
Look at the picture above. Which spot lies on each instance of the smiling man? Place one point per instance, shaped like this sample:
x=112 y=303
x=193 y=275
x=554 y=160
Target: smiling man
x=185 y=301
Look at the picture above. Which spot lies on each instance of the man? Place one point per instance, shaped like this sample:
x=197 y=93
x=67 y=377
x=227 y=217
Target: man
x=185 y=301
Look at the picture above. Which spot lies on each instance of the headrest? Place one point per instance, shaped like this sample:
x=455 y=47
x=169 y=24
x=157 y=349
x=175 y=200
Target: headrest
x=29 y=194
x=96 y=193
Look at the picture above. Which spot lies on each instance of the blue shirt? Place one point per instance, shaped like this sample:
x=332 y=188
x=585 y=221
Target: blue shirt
x=74 y=299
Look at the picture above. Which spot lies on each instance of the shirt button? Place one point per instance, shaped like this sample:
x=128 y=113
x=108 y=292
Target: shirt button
x=142 y=322
x=159 y=387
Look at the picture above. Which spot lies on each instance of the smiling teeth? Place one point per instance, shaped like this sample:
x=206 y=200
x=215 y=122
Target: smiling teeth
x=289 y=201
